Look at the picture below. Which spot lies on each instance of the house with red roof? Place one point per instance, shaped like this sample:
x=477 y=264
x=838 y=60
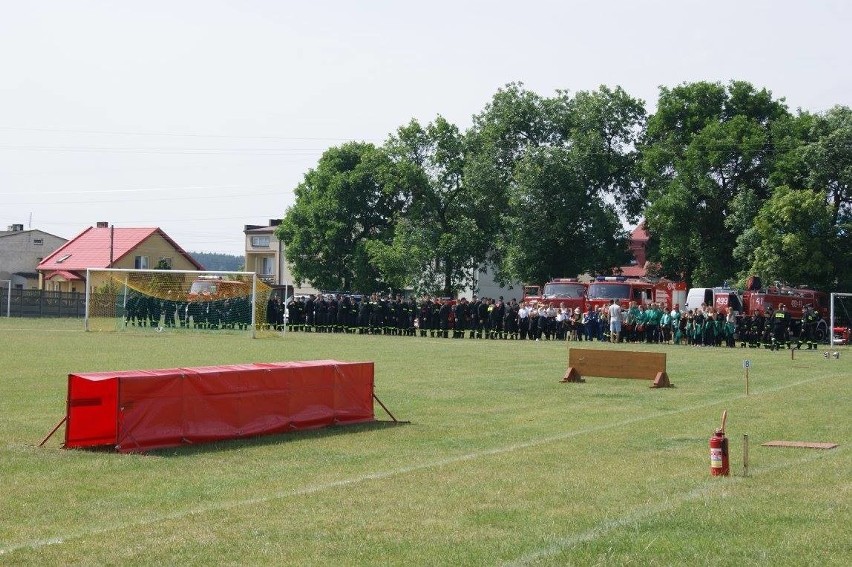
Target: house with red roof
x=104 y=246
x=637 y=243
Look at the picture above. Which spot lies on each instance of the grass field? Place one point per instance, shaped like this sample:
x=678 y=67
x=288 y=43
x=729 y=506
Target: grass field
x=501 y=464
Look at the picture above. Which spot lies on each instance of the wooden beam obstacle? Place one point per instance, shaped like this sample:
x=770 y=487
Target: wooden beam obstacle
x=617 y=364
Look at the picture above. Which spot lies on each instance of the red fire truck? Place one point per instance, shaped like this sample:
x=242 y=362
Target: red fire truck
x=643 y=292
x=568 y=291
x=757 y=299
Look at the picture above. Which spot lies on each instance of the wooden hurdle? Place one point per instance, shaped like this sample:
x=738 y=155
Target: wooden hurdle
x=617 y=364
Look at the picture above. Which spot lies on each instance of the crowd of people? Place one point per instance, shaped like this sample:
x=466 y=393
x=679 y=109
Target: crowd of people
x=494 y=318
x=142 y=310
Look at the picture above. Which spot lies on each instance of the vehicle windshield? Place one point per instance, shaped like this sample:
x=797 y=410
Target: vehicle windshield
x=203 y=286
x=531 y=290
x=609 y=291
x=566 y=290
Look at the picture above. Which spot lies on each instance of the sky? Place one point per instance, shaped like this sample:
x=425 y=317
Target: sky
x=202 y=116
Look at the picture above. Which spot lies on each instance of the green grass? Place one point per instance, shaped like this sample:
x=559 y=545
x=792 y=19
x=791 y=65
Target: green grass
x=501 y=464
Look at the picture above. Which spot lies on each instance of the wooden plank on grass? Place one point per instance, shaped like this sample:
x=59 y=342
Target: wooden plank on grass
x=800 y=444
x=617 y=364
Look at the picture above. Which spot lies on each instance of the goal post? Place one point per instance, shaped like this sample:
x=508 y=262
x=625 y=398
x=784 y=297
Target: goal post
x=175 y=300
x=839 y=317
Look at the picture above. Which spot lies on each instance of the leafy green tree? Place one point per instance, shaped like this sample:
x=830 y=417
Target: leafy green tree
x=538 y=156
x=795 y=239
x=441 y=211
x=829 y=159
x=815 y=152
x=347 y=202
x=602 y=129
x=404 y=262
x=705 y=145
x=559 y=226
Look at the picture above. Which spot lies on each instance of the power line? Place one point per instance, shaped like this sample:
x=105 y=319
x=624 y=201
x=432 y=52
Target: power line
x=165 y=151
x=144 y=189
x=174 y=134
x=150 y=199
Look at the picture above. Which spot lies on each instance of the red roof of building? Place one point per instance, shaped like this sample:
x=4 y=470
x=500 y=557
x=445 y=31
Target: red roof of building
x=639 y=233
x=632 y=271
x=91 y=248
x=69 y=276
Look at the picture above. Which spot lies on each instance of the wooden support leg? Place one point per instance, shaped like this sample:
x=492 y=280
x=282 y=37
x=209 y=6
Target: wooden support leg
x=661 y=381
x=571 y=375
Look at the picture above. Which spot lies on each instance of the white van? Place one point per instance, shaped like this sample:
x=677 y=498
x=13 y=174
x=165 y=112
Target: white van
x=721 y=298
x=698 y=295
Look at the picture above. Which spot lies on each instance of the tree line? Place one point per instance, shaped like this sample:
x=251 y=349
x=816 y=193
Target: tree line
x=728 y=180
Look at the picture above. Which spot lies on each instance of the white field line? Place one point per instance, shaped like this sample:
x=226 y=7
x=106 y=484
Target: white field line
x=379 y=475
x=641 y=513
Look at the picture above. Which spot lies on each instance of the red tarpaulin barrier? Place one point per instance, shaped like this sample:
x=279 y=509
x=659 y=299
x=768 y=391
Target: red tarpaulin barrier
x=137 y=410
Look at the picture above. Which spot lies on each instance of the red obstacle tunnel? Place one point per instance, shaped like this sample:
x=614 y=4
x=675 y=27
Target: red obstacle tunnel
x=138 y=410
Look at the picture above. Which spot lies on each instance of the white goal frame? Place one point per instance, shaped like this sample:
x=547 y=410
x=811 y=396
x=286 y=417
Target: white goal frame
x=195 y=272
x=831 y=316
x=8 y=297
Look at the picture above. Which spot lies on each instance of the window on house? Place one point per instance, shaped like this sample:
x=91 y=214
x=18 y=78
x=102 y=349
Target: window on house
x=140 y=262
x=165 y=264
x=260 y=242
x=266 y=266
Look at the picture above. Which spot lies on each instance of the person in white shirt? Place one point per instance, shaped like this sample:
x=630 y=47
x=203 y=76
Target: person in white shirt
x=614 y=321
x=524 y=320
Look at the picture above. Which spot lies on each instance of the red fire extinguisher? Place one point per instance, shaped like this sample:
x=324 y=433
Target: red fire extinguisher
x=719 y=465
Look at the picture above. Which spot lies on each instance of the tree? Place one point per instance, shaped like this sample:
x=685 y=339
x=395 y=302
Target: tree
x=347 y=202
x=602 y=128
x=815 y=152
x=705 y=145
x=442 y=212
x=829 y=159
x=795 y=239
x=537 y=155
x=559 y=225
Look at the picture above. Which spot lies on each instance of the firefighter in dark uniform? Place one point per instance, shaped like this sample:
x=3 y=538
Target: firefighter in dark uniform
x=411 y=312
x=310 y=313
x=766 y=335
x=435 y=328
x=780 y=327
x=510 y=320
x=444 y=318
x=473 y=317
x=424 y=316
x=482 y=323
x=460 y=312
x=808 y=332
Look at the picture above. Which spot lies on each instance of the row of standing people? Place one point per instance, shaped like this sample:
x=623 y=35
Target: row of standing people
x=440 y=317
x=148 y=311
x=495 y=318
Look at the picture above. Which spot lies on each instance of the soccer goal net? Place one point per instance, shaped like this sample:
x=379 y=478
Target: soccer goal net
x=840 y=321
x=175 y=300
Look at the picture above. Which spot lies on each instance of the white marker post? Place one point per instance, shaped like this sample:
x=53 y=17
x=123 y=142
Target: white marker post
x=746 y=366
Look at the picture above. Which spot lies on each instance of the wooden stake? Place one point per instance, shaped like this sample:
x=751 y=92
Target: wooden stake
x=745 y=454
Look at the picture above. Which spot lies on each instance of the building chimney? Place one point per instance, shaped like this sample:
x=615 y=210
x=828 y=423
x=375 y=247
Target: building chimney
x=16 y=227
x=102 y=224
